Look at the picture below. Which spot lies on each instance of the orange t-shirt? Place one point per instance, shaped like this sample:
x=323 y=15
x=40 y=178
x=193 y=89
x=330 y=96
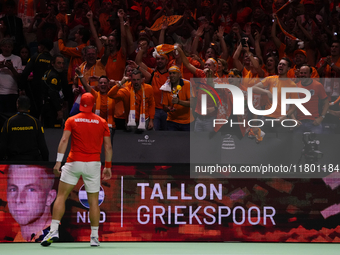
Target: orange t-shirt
x=87 y=134
x=181 y=114
x=318 y=93
x=115 y=66
x=274 y=82
x=157 y=81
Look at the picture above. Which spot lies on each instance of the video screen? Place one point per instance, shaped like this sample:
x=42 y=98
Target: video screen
x=149 y=202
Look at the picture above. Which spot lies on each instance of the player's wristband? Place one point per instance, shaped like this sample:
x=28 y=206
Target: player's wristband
x=107 y=164
x=60 y=157
x=80 y=76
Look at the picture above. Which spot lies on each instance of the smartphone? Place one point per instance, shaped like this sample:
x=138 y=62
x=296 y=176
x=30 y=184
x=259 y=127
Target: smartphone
x=8 y=61
x=244 y=42
x=335 y=33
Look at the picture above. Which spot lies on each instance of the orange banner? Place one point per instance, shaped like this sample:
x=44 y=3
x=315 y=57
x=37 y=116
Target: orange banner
x=170 y=20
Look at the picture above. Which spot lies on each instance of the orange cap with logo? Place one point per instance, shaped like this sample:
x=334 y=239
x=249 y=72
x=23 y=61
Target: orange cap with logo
x=86 y=102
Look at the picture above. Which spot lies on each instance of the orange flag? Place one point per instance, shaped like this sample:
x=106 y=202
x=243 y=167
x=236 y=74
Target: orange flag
x=170 y=20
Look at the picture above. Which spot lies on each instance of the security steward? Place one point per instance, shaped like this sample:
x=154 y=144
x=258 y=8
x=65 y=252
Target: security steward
x=22 y=137
x=37 y=65
x=54 y=87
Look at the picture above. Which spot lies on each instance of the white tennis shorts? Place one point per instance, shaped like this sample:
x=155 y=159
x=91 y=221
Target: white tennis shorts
x=90 y=172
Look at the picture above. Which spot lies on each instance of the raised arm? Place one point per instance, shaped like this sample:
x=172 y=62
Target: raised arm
x=122 y=32
x=83 y=81
x=99 y=44
x=145 y=73
x=223 y=45
x=255 y=62
x=139 y=58
x=257 y=44
x=236 y=57
x=304 y=31
x=199 y=33
x=273 y=34
x=161 y=38
x=129 y=38
x=186 y=62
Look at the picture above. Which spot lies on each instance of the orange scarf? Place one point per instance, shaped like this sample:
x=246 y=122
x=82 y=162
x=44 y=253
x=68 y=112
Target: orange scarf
x=109 y=112
x=132 y=114
x=278 y=22
x=285 y=32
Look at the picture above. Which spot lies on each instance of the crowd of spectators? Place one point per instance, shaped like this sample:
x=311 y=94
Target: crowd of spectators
x=115 y=40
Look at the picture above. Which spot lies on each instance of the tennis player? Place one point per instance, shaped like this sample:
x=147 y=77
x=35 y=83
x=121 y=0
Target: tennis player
x=88 y=132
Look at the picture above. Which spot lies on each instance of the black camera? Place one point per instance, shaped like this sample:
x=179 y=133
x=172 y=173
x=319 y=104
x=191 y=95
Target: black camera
x=311 y=148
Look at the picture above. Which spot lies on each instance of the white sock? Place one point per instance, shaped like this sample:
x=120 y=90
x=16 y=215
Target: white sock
x=55 y=225
x=94 y=231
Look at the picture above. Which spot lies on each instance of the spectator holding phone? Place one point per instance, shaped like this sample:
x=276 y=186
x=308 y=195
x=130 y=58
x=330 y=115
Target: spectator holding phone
x=10 y=69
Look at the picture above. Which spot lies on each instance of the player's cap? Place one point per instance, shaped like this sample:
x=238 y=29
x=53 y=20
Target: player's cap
x=86 y=102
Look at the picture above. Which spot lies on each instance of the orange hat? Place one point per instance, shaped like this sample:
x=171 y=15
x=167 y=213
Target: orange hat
x=174 y=69
x=299 y=51
x=162 y=50
x=86 y=102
